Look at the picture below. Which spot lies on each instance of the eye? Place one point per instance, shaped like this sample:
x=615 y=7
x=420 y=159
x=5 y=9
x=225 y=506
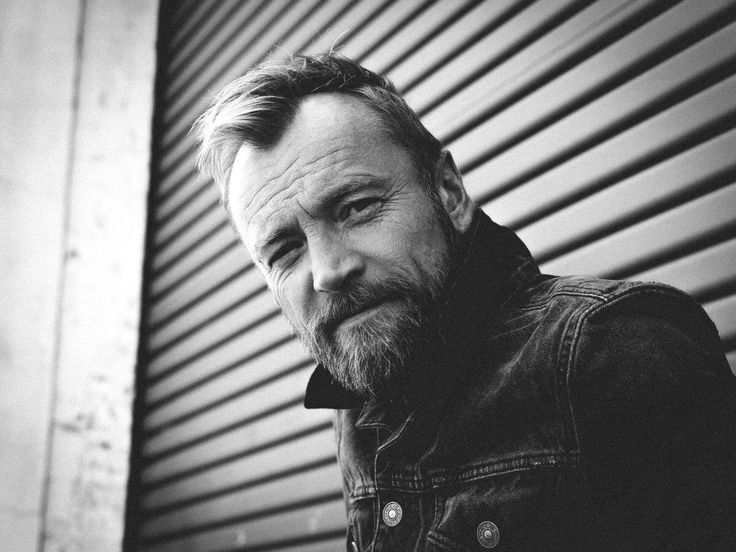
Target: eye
x=283 y=252
x=362 y=207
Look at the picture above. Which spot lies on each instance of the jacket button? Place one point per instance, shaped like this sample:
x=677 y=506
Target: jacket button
x=392 y=514
x=488 y=534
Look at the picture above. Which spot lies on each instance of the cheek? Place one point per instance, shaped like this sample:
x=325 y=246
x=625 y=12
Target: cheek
x=416 y=245
x=292 y=295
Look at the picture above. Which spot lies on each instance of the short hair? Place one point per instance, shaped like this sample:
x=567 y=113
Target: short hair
x=257 y=108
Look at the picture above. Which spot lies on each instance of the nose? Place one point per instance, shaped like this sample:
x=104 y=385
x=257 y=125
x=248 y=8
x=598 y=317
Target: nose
x=334 y=265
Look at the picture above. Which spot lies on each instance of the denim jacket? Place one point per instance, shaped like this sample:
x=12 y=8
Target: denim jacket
x=566 y=413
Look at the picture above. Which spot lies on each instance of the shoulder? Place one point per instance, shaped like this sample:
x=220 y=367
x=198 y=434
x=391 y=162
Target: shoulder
x=646 y=326
x=608 y=331
x=592 y=326
x=647 y=361
x=613 y=317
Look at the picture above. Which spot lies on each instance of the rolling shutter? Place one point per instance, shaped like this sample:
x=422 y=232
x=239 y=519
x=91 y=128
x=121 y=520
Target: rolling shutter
x=604 y=133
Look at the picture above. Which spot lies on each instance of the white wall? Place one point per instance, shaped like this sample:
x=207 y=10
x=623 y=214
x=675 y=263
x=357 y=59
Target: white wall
x=76 y=98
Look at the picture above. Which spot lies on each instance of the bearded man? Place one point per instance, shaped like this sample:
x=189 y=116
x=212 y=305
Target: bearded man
x=479 y=404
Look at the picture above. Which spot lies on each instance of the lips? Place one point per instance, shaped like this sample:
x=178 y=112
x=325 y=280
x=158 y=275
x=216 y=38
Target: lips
x=358 y=314
x=343 y=317
x=338 y=310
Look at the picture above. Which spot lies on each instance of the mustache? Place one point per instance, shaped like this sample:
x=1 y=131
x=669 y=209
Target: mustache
x=361 y=296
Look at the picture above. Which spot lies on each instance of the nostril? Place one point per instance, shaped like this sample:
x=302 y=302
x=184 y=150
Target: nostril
x=331 y=273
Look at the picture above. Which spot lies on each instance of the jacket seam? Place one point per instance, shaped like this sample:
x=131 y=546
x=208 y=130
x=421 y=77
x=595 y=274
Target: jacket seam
x=542 y=303
x=615 y=297
x=436 y=482
x=572 y=359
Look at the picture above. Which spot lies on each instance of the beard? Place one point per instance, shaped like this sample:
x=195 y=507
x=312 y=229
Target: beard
x=379 y=356
x=372 y=358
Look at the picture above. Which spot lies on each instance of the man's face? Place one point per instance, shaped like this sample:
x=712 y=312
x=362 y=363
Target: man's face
x=355 y=252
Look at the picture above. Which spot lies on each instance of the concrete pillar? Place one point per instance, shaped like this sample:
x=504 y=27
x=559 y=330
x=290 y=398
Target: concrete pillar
x=75 y=113
x=38 y=57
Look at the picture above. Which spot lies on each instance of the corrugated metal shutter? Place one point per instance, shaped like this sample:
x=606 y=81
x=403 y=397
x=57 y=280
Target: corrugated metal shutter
x=603 y=132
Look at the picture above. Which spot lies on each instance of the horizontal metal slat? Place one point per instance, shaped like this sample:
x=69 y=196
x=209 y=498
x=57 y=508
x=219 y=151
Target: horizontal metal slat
x=173 y=15
x=418 y=29
x=259 y=466
x=350 y=22
x=182 y=173
x=308 y=28
x=268 y=432
x=723 y=313
x=207 y=52
x=731 y=357
x=502 y=43
x=185 y=19
x=638 y=95
x=203 y=338
x=259 y=371
x=699 y=274
x=302 y=31
x=631 y=151
x=258 y=33
x=451 y=39
x=520 y=73
x=168 y=225
x=236 y=412
x=616 y=255
x=180 y=293
x=375 y=31
x=682 y=176
x=296 y=528
x=205 y=32
x=178 y=179
x=292 y=29
x=180 y=192
x=210 y=248
x=213 y=363
x=246 y=503
x=167 y=326
x=189 y=237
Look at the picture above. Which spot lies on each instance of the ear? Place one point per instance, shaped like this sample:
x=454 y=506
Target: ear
x=452 y=194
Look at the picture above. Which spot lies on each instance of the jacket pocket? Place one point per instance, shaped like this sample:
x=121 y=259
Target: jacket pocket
x=362 y=520
x=517 y=510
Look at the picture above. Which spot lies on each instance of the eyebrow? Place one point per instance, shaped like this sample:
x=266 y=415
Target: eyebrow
x=333 y=194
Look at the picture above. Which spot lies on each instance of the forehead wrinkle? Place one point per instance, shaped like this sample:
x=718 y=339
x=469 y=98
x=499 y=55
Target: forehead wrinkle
x=258 y=218
x=322 y=156
x=265 y=187
x=282 y=174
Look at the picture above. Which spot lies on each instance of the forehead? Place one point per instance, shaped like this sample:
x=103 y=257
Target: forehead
x=334 y=139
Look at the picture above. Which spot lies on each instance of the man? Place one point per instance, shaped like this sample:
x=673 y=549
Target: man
x=479 y=404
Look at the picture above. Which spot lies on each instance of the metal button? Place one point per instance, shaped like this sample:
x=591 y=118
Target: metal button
x=392 y=514
x=488 y=534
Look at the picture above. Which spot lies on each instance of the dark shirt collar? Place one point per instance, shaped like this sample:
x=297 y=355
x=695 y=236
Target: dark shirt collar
x=495 y=265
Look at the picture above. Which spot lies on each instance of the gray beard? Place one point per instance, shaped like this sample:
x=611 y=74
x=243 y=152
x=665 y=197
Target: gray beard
x=374 y=357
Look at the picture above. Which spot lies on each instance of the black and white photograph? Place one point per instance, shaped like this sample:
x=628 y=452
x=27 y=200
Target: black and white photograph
x=368 y=275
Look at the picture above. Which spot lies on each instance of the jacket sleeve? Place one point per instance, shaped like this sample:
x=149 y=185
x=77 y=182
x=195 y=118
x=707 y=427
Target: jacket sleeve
x=654 y=404
x=336 y=422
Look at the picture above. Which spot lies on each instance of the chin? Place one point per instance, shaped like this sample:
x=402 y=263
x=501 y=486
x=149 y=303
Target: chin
x=371 y=358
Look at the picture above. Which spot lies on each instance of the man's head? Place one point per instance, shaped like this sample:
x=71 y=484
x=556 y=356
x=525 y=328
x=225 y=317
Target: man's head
x=346 y=203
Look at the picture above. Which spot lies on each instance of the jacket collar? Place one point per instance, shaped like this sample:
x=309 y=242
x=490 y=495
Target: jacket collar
x=494 y=267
